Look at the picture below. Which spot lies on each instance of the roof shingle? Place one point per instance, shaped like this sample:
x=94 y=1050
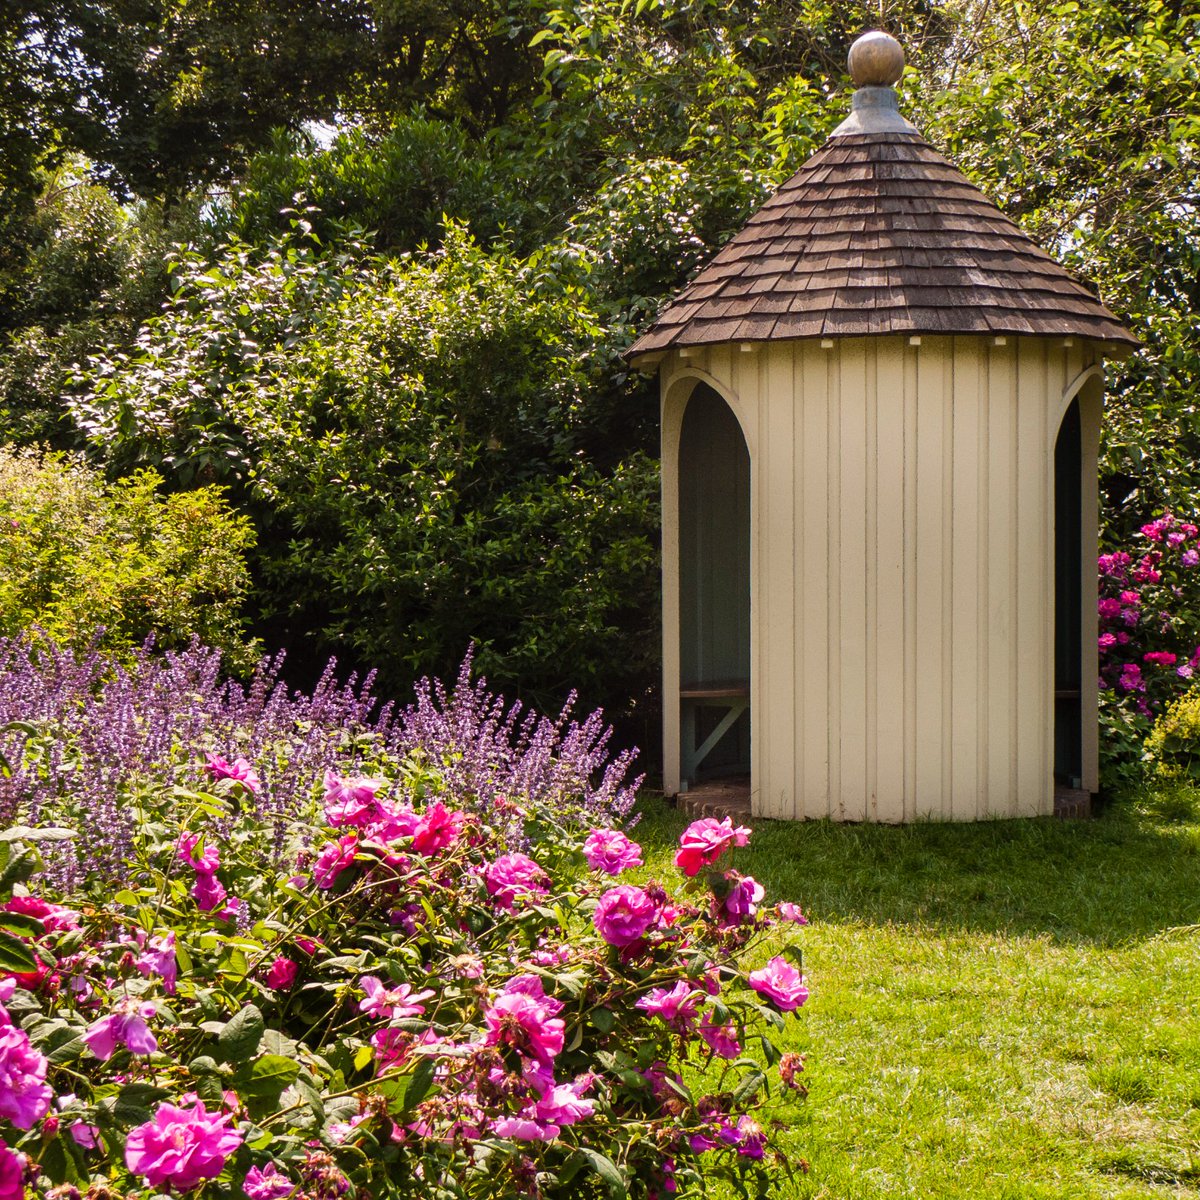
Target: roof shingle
x=877 y=233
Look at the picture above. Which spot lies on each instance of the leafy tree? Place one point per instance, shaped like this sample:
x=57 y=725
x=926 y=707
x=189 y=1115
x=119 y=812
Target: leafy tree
x=434 y=449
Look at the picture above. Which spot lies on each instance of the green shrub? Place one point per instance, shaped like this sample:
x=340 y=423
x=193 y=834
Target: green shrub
x=1173 y=747
x=76 y=554
x=436 y=449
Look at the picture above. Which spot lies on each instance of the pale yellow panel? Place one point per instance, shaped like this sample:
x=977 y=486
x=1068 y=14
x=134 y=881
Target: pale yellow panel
x=813 y=596
x=966 y=728
x=850 y=566
x=887 y=664
x=1002 y=568
x=776 y=598
x=931 y=748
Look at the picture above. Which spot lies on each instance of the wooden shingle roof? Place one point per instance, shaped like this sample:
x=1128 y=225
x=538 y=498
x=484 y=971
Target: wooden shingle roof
x=878 y=234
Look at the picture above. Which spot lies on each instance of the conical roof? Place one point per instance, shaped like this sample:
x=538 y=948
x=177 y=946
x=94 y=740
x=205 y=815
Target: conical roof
x=877 y=233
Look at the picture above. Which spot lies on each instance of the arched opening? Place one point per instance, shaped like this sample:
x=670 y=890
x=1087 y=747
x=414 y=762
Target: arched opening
x=714 y=590
x=1068 y=601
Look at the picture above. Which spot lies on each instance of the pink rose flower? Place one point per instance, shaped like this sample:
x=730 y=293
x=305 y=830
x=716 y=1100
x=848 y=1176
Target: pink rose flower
x=437 y=829
x=281 y=974
x=127 y=1028
x=266 y=1183
x=720 y=1039
x=208 y=891
x=391 y=1004
x=54 y=917
x=742 y=901
x=350 y=801
x=780 y=983
x=240 y=771
x=181 y=1147
x=524 y=1017
x=24 y=1095
x=624 y=915
x=525 y=1128
x=513 y=875
x=677 y=1007
x=206 y=862
x=704 y=841
x=158 y=958
x=85 y=1135
x=334 y=858
x=12 y=1174
x=610 y=851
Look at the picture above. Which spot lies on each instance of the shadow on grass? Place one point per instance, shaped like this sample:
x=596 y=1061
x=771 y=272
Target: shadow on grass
x=1130 y=874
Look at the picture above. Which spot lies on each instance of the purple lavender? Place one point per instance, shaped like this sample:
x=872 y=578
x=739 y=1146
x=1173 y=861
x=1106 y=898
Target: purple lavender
x=83 y=735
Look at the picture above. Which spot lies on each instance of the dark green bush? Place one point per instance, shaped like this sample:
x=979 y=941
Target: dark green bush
x=77 y=554
x=436 y=449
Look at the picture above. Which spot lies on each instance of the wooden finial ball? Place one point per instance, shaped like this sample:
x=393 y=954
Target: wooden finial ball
x=876 y=60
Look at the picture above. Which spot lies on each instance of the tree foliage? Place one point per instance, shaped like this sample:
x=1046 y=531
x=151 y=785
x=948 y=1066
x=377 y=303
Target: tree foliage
x=433 y=431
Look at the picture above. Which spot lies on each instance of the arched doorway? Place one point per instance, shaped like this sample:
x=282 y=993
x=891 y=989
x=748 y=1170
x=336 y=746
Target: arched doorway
x=714 y=590
x=1068 y=601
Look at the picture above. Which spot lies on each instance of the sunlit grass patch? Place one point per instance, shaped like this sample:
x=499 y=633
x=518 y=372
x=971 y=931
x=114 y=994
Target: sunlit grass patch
x=1004 y=1010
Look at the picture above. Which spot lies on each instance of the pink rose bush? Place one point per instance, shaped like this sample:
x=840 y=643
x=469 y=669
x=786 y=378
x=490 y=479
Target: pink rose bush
x=408 y=987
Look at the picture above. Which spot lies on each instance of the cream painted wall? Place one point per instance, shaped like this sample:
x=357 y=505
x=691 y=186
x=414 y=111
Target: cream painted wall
x=902 y=533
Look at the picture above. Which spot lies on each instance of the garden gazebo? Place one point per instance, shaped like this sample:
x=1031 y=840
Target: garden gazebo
x=880 y=419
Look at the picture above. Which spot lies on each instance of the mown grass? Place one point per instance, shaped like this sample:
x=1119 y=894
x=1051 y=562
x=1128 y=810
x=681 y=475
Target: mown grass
x=1005 y=1010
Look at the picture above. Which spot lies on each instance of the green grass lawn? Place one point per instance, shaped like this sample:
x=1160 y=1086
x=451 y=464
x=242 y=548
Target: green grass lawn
x=1009 y=1009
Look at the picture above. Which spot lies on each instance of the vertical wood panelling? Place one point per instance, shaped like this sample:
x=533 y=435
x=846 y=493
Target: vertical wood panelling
x=814 y=583
x=930 y=747
x=912 y=359
x=1001 y=551
x=902 y=613
x=851 y=562
x=1031 y=650
x=887 y=662
x=983 y=584
x=964 y=631
x=777 y=601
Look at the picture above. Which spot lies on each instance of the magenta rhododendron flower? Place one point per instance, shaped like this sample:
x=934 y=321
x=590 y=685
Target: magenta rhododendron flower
x=12 y=1174
x=127 y=1028
x=1160 y=658
x=181 y=1147
x=391 y=1004
x=281 y=974
x=677 y=1006
x=240 y=771
x=267 y=1183
x=624 y=915
x=524 y=1017
x=24 y=1094
x=610 y=851
x=704 y=841
x=437 y=829
x=334 y=858
x=780 y=983
x=513 y=875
